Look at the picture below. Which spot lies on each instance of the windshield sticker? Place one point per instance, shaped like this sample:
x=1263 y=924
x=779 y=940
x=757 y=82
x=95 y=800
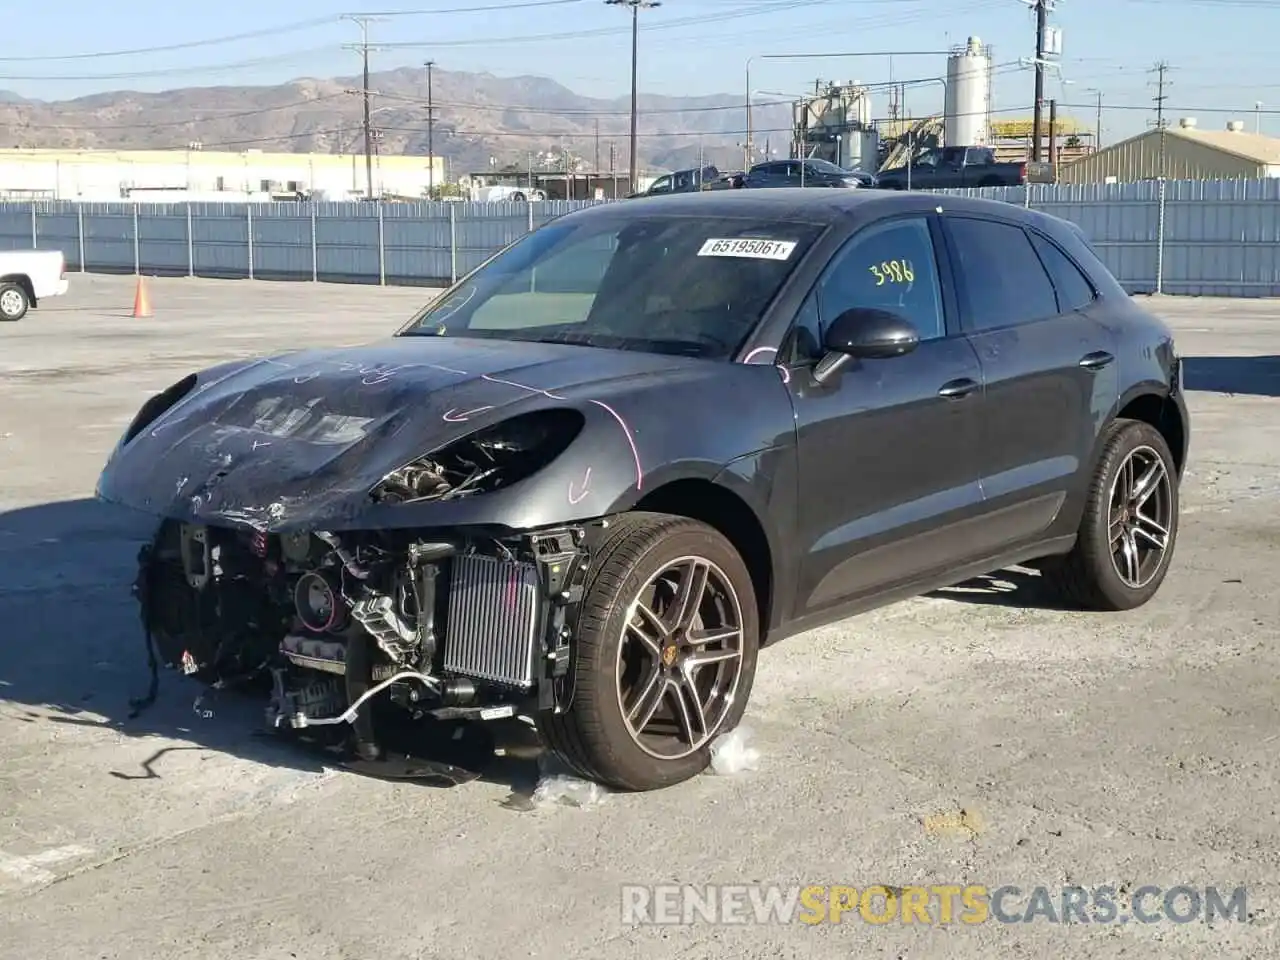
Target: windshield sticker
x=748 y=248
x=893 y=271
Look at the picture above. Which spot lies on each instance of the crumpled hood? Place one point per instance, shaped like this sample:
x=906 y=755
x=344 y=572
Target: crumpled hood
x=309 y=433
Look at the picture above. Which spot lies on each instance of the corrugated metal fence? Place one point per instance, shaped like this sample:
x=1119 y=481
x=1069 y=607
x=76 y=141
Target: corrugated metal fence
x=1210 y=238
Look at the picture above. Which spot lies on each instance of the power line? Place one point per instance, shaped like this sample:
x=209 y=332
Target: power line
x=765 y=8
x=296 y=26
x=309 y=54
x=557 y=134
x=208 y=118
x=432 y=104
x=1001 y=69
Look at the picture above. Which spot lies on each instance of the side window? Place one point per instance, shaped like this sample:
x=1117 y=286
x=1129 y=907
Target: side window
x=661 y=185
x=890 y=266
x=1074 y=289
x=1001 y=274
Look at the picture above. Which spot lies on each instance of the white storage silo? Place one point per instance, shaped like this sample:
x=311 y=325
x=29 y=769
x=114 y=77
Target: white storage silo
x=968 y=98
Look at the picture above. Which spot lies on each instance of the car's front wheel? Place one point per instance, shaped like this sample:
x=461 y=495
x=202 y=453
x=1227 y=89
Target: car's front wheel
x=1129 y=526
x=14 y=301
x=664 y=655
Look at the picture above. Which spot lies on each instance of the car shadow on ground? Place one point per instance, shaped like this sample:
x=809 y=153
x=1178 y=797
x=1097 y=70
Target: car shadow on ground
x=1254 y=376
x=74 y=655
x=1012 y=587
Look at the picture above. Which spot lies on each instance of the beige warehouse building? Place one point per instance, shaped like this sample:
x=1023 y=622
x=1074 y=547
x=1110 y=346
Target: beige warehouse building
x=207 y=175
x=1189 y=153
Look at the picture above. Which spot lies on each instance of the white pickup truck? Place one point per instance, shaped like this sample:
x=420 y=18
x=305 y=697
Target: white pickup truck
x=27 y=277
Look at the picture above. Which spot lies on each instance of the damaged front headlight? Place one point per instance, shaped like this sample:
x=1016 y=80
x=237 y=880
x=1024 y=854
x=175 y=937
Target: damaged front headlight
x=487 y=460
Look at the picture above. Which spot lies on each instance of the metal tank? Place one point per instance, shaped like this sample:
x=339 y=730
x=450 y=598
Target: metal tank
x=967 y=113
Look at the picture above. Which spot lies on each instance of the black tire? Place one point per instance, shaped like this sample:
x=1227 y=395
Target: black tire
x=14 y=302
x=592 y=738
x=1088 y=576
x=517 y=198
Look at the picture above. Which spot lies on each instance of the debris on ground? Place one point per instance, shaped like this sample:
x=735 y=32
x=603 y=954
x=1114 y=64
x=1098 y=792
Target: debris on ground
x=566 y=791
x=732 y=753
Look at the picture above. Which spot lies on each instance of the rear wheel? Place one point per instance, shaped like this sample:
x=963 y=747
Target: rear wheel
x=1129 y=527
x=14 y=301
x=665 y=655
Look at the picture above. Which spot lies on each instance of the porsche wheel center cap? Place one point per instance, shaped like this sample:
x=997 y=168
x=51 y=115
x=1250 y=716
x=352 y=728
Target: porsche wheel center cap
x=669 y=653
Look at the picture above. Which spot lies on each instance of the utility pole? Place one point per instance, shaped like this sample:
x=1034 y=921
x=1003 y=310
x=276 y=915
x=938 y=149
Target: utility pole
x=1042 y=24
x=1053 y=135
x=1160 y=70
x=597 y=145
x=636 y=6
x=1097 y=129
x=431 y=131
x=364 y=48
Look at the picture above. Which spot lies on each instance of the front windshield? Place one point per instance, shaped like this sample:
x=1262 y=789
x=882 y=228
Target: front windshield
x=695 y=286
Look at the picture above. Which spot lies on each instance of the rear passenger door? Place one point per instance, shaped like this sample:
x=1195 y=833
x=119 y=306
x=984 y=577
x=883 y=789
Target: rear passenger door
x=1048 y=368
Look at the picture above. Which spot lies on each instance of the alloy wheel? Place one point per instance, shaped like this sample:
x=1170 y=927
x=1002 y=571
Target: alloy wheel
x=680 y=658
x=1140 y=517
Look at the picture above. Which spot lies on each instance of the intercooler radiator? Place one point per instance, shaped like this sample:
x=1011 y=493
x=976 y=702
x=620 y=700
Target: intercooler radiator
x=493 y=629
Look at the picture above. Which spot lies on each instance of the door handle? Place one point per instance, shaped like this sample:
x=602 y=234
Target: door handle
x=1096 y=360
x=957 y=389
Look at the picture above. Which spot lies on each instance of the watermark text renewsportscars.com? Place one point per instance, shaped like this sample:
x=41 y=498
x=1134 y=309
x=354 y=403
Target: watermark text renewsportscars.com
x=967 y=904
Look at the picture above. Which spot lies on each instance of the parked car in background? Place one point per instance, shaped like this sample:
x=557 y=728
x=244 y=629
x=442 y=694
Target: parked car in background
x=507 y=193
x=27 y=277
x=806 y=173
x=947 y=168
x=680 y=181
x=726 y=181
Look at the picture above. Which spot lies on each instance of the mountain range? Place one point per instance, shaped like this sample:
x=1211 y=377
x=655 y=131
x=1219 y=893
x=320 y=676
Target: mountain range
x=482 y=120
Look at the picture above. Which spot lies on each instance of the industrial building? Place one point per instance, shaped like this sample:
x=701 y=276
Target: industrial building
x=1184 y=152
x=205 y=175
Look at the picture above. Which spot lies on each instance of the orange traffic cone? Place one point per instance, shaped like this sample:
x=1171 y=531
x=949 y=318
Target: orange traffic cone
x=141 y=300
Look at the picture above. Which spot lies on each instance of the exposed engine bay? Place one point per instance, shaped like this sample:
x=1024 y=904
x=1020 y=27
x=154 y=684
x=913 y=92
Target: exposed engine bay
x=448 y=628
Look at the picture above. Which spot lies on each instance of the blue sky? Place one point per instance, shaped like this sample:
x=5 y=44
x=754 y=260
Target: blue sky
x=1217 y=49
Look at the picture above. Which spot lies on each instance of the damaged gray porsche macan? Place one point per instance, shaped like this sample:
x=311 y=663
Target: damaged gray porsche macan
x=587 y=483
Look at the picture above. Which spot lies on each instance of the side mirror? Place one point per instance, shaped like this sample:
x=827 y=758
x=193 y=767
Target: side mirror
x=865 y=333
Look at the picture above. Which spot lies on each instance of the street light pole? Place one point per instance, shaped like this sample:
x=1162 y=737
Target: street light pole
x=636 y=6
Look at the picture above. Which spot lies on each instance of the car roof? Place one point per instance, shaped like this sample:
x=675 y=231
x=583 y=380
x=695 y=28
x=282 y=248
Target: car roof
x=806 y=204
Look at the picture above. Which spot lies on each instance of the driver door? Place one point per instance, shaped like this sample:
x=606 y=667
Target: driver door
x=887 y=449
x=926 y=170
